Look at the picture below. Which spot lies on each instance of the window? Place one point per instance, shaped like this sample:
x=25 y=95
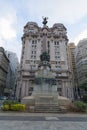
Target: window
x=57 y=57
x=33 y=66
x=59 y=81
x=34 y=41
x=33 y=52
x=30 y=91
x=59 y=89
x=32 y=45
x=48 y=51
x=30 y=88
x=31 y=30
x=48 y=44
x=56 y=42
x=58 y=66
x=57 y=53
x=31 y=56
x=34 y=57
x=27 y=62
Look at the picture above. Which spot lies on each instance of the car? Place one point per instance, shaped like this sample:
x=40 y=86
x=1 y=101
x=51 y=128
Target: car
x=3 y=98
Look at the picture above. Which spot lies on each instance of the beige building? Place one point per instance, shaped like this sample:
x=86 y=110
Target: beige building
x=4 y=63
x=34 y=41
x=72 y=64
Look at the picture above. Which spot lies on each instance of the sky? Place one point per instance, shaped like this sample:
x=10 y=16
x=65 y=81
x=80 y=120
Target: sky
x=14 y=14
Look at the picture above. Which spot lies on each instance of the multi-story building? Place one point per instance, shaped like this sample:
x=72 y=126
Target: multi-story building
x=36 y=40
x=12 y=72
x=4 y=63
x=71 y=54
x=81 y=61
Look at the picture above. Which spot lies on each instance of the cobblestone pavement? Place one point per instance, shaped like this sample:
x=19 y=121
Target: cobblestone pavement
x=42 y=125
x=50 y=122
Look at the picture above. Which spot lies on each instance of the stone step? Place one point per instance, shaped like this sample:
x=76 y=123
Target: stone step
x=46 y=104
x=46 y=108
x=49 y=109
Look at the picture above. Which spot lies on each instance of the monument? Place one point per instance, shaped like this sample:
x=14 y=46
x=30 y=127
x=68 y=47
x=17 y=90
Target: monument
x=45 y=96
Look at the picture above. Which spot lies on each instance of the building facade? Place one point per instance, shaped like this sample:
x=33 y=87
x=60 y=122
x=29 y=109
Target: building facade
x=11 y=82
x=36 y=40
x=81 y=62
x=4 y=63
x=72 y=64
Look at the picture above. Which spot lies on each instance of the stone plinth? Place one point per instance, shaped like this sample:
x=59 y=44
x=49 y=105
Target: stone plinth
x=46 y=103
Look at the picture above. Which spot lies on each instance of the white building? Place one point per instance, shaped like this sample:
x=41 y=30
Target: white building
x=81 y=61
x=36 y=40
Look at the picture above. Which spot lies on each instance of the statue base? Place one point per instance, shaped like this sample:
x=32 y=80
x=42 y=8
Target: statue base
x=42 y=103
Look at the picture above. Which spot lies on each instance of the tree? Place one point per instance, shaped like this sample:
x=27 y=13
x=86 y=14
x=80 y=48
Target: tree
x=83 y=86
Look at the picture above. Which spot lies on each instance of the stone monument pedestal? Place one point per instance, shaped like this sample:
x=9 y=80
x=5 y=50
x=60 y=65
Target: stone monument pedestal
x=44 y=97
x=46 y=103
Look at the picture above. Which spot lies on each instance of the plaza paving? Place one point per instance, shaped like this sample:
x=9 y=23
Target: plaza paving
x=42 y=125
x=50 y=122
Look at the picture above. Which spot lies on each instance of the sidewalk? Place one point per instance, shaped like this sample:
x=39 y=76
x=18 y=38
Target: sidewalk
x=47 y=124
x=3 y=113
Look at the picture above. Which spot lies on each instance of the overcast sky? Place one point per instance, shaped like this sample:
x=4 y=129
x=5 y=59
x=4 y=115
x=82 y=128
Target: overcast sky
x=14 y=14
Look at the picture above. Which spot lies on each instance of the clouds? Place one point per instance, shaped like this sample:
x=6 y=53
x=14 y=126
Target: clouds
x=80 y=36
x=15 y=14
x=71 y=13
x=58 y=10
x=8 y=21
x=7 y=30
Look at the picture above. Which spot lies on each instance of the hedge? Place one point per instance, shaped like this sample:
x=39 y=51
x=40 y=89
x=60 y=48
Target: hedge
x=81 y=106
x=12 y=105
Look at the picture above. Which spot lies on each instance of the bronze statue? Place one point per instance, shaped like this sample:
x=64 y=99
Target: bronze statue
x=45 y=57
x=45 y=20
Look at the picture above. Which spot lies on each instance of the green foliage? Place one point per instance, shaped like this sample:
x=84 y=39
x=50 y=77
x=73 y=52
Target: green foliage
x=84 y=98
x=83 y=86
x=5 y=107
x=81 y=106
x=13 y=106
x=9 y=102
x=18 y=107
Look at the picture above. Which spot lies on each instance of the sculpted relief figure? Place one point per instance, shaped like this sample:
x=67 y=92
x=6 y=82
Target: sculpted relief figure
x=45 y=20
